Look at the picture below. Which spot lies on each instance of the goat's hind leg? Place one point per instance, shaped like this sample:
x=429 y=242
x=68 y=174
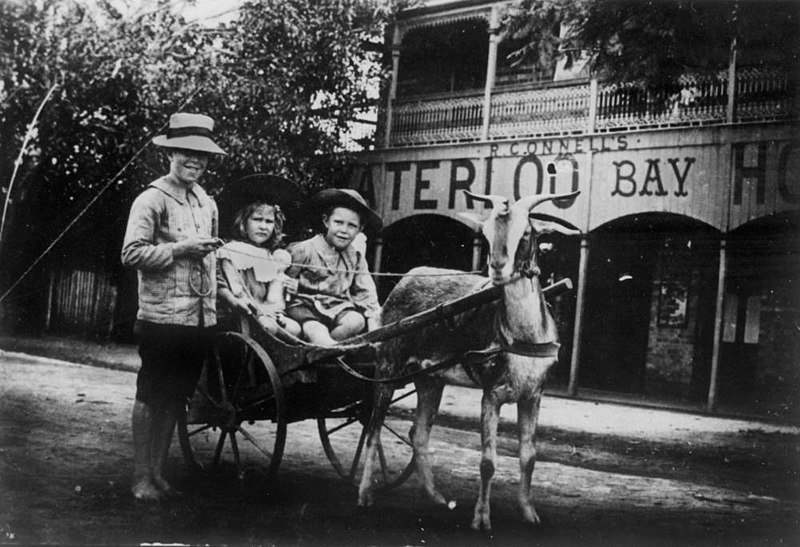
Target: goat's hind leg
x=429 y=395
x=527 y=417
x=382 y=399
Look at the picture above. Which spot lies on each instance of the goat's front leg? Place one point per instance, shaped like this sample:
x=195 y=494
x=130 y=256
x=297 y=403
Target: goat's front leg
x=527 y=417
x=382 y=398
x=429 y=395
x=490 y=415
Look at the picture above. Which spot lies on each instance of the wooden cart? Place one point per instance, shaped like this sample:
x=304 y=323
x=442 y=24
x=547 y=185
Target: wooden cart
x=257 y=383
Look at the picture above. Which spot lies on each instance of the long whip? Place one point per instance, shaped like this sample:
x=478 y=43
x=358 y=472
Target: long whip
x=18 y=162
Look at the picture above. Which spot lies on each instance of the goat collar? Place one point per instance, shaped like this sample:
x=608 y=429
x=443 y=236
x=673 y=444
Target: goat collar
x=528 y=349
x=504 y=345
x=508 y=344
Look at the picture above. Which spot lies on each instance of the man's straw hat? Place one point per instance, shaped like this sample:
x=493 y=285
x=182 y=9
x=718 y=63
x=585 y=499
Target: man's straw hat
x=190 y=132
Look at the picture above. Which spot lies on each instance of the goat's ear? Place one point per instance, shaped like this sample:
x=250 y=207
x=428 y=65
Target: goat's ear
x=547 y=227
x=473 y=220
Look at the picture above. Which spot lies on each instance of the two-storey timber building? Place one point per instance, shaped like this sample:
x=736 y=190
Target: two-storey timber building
x=687 y=270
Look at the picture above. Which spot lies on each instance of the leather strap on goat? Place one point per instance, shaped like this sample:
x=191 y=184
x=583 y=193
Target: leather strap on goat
x=544 y=349
x=517 y=347
x=402 y=379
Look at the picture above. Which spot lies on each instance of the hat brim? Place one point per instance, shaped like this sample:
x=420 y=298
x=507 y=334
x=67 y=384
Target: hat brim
x=259 y=187
x=333 y=197
x=198 y=143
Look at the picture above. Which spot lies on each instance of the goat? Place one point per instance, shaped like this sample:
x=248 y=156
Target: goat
x=505 y=347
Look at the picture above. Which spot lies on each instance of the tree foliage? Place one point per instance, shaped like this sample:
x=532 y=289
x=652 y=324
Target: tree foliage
x=297 y=73
x=655 y=41
x=282 y=81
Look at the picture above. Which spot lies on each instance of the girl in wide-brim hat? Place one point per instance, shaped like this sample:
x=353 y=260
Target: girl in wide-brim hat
x=252 y=265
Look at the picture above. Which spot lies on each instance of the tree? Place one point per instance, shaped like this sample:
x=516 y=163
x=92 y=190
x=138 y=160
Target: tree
x=654 y=41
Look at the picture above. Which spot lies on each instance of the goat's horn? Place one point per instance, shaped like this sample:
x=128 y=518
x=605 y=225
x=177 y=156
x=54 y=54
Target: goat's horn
x=494 y=200
x=530 y=202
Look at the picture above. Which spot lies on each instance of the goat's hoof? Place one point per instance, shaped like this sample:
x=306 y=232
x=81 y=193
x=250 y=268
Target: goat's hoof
x=437 y=498
x=529 y=516
x=365 y=500
x=482 y=524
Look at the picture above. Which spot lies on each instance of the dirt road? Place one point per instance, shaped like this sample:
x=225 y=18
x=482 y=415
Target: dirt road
x=65 y=464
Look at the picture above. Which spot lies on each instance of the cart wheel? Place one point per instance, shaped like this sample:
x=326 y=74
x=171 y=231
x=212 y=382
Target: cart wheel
x=238 y=410
x=344 y=438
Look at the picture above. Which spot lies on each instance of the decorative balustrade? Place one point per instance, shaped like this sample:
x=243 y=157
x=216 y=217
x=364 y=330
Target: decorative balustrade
x=448 y=119
x=697 y=99
x=763 y=93
x=539 y=111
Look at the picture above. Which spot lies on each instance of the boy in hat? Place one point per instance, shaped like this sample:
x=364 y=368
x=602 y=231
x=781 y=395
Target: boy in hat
x=336 y=296
x=170 y=240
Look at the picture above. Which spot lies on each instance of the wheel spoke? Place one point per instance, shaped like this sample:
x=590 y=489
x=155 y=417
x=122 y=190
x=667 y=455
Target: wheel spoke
x=199 y=430
x=348 y=422
x=220 y=376
x=403 y=396
x=202 y=390
x=398 y=435
x=220 y=445
x=252 y=440
x=359 y=449
x=384 y=466
x=235 y=449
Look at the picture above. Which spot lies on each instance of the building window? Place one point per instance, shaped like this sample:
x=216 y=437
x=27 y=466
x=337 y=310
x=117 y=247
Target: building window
x=444 y=58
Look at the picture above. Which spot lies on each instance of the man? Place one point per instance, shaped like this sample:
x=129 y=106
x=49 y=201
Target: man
x=336 y=294
x=170 y=239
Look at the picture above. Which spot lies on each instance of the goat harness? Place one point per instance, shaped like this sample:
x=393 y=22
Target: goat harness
x=503 y=343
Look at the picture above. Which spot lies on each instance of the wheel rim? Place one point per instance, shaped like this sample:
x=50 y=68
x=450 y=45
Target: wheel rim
x=237 y=418
x=343 y=437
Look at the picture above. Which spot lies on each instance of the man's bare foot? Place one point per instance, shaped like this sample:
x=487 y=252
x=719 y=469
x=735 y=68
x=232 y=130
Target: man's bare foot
x=167 y=489
x=145 y=490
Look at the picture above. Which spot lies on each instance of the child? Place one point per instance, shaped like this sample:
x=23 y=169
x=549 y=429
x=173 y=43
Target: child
x=252 y=265
x=336 y=294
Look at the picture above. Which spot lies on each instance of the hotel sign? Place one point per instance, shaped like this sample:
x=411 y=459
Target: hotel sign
x=712 y=182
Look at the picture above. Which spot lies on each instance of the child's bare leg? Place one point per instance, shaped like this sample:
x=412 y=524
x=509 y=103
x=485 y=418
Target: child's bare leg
x=143 y=425
x=269 y=324
x=163 y=429
x=317 y=333
x=291 y=326
x=348 y=325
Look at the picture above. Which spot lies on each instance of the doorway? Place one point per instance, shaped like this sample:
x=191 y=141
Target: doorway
x=423 y=240
x=617 y=314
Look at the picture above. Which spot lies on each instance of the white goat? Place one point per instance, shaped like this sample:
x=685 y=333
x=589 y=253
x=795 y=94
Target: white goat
x=506 y=348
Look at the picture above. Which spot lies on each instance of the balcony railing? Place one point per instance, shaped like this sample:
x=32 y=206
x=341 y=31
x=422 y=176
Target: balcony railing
x=445 y=119
x=697 y=99
x=539 y=112
x=700 y=98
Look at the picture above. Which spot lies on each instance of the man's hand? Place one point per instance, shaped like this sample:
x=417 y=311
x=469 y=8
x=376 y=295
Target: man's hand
x=195 y=247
